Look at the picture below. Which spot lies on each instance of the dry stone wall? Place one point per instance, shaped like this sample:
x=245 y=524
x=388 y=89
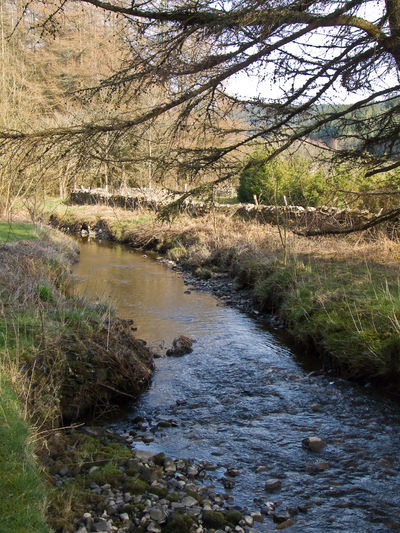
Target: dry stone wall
x=295 y=216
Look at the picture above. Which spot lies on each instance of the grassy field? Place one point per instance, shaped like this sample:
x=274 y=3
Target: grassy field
x=10 y=232
x=339 y=296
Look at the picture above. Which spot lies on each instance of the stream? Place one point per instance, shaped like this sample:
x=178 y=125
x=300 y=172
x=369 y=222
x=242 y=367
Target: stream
x=242 y=399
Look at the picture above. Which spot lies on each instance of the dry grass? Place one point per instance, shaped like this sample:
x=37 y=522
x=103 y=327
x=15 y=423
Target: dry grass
x=341 y=294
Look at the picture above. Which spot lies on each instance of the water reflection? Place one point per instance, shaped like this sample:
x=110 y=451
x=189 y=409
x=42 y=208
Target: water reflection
x=241 y=399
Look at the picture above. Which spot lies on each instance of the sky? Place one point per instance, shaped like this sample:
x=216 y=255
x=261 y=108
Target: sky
x=250 y=86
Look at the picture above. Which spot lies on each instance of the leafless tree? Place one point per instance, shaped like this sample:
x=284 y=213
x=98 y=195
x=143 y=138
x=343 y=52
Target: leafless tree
x=314 y=51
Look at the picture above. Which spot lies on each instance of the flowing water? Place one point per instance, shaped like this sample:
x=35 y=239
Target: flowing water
x=244 y=400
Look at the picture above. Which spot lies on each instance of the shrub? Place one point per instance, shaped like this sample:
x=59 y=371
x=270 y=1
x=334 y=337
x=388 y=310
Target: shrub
x=293 y=177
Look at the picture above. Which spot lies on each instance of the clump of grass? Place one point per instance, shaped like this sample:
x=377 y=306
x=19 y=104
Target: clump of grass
x=135 y=486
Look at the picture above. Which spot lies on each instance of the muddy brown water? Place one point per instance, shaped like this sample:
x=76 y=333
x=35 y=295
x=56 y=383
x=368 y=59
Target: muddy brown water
x=242 y=399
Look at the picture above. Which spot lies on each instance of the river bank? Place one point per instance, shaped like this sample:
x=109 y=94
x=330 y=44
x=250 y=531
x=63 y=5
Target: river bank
x=62 y=360
x=337 y=296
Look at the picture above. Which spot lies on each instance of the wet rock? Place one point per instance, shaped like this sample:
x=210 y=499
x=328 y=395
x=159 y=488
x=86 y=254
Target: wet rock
x=314 y=444
x=281 y=516
x=257 y=517
x=285 y=524
x=167 y=423
x=317 y=467
x=169 y=465
x=180 y=346
x=248 y=520
x=272 y=484
x=232 y=472
x=228 y=483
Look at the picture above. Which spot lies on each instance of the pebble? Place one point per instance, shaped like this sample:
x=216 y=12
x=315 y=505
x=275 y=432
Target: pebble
x=169 y=465
x=257 y=517
x=157 y=515
x=101 y=525
x=249 y=520
x=189 y=501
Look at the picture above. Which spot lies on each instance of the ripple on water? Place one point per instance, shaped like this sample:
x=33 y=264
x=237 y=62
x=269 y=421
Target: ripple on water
x=242 y=399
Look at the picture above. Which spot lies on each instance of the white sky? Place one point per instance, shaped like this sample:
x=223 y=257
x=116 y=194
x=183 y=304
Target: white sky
x=250 y=86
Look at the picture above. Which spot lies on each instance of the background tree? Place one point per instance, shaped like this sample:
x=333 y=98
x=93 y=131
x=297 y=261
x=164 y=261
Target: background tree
x=187 y=51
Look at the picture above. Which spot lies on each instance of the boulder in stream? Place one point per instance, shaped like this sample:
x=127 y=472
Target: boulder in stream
x=315 y=444
x=180 y=346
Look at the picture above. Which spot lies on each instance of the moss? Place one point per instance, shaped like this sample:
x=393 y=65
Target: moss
x=233 y=517
x=132 y=468
x=161 y=492
x=135 y=486
x=177 y=253
x=109 y=473
x=213 y=519
x=194 y=495
x=159 y=459
x=179 y=524
x=173 y=497
x=203 y=272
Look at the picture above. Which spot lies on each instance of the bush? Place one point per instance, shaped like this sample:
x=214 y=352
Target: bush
x=293 y=177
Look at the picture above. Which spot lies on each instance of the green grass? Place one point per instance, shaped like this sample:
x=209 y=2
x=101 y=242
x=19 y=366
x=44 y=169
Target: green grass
x=22 y=494
x=338 y=296
x=10 y=232
x=348 y=310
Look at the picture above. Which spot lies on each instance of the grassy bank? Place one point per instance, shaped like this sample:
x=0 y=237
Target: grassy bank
x=61 y=359
x=338 y=295
x=22 y=491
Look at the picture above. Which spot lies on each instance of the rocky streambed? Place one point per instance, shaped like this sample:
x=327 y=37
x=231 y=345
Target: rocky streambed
x=124 y=490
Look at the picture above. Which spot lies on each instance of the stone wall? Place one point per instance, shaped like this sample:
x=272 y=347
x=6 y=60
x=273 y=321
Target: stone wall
x=294 y=216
